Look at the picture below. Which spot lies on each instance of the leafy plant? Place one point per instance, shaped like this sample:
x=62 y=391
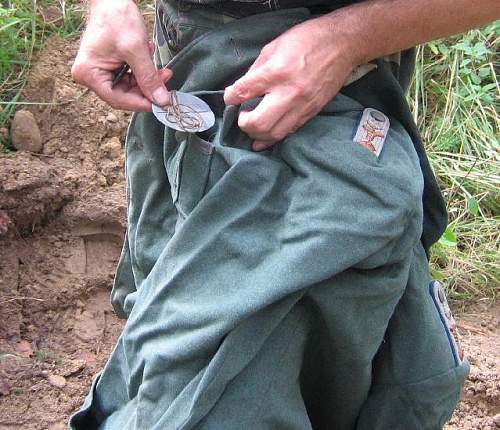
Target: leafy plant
x=24 y=26
x=456 y=101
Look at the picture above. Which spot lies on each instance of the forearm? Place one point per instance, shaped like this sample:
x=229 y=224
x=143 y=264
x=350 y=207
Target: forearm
x=93 y=3
x=375 y=28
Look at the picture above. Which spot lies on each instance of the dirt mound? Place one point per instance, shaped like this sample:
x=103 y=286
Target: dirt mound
x=62 y=220
x=480 y=405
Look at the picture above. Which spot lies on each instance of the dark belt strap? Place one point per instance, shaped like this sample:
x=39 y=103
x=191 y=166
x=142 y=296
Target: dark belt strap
x=243 y=8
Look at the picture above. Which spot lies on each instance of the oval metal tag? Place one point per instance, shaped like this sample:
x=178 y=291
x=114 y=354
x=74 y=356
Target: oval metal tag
x=185 y=113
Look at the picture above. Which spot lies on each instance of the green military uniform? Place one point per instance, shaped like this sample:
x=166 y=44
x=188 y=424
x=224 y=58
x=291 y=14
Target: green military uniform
x=287 y=289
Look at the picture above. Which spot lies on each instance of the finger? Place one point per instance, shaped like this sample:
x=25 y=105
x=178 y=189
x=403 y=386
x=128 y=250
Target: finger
x=260 y=145
x=260 y=122
x=125 y=95
x=254 y=84
x=130 y=81
x=130 y=99
x=165 y=74
x=260 y=60
x=151 y=47
x=287 y=125
x=148 y=77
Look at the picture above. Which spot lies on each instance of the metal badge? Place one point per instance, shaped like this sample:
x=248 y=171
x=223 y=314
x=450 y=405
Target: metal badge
x=372 y=130
x=185 y=113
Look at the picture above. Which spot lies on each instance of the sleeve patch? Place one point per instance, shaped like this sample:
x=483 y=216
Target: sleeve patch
x=372 y=130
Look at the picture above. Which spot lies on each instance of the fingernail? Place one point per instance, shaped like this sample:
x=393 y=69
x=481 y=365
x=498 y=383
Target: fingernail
x=228 y=95
x=231 y=92
x=161 y=97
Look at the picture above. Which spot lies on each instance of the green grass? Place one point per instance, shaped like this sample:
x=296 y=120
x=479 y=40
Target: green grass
x=23 y=29
x=456 y=102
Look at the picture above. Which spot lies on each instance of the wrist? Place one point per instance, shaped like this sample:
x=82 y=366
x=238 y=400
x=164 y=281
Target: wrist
x=109 y=4
x=348 y=34
x=342 y=51
x=104 y=14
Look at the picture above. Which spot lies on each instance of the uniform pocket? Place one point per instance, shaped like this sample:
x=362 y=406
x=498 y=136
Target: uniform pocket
x=424 y=405
x=188 y=172
x=417 y=375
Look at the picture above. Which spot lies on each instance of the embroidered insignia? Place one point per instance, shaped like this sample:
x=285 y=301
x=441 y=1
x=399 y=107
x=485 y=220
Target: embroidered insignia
x=439 y=299
x=372 y=130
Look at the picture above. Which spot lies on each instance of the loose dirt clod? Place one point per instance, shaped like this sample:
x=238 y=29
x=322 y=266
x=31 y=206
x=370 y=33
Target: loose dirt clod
x=496 y=420
x=111 y=117
x=4 y=223
x=57 y=381
x=25 y=133
x=4 y=133
x=113 y=148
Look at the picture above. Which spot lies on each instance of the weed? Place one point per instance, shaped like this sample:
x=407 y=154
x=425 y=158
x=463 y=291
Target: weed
x=46 y=356
x=24 y=26
x=456 y=101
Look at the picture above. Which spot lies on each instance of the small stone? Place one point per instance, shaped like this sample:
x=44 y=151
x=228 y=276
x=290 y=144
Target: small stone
x=56 y=380
x=496 y=420
x=4 y=222
x=5 y=388
x=4 y=133
x=113 y=147
x=75 y=366
x=112 y=117
x=24 y=349
x=470 y=393
x=25 y=133
x=58 y=426
x=101 y=180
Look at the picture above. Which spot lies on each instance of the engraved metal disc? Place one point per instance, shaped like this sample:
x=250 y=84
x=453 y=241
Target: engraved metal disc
x=185 y=113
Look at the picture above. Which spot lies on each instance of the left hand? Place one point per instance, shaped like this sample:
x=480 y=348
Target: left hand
x=297 y=73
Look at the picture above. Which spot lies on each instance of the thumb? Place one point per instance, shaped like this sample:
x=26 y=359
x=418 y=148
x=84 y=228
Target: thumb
x=148 y=78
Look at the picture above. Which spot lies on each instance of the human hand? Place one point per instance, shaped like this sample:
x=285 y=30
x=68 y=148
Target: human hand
x=116 y=34
x=297 y=73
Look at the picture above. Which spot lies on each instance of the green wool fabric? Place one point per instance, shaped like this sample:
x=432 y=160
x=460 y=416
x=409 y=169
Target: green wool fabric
x=287 y=289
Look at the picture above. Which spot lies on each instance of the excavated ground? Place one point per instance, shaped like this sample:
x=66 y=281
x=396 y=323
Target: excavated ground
x=62 y=220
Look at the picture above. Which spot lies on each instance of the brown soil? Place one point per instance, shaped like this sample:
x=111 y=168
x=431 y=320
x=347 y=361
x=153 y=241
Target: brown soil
x=62 y=219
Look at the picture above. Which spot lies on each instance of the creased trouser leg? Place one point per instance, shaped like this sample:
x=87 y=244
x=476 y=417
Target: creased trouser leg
x=226 y=246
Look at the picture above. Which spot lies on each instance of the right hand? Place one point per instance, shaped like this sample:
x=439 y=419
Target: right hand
x=116 y=34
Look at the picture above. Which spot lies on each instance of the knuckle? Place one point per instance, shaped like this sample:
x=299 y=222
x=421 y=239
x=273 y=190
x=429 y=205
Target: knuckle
x=301 y=90
x=262 y=128
x=278 y=135
x=147 y=80
x=240 y=88
x=278 y=69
